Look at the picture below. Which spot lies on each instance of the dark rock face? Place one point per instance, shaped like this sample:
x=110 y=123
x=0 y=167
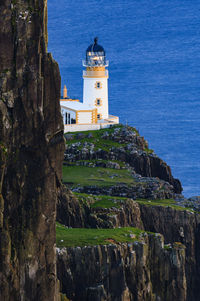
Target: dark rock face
x=181 y=226
x=69 y=211
x=152 y=166
x=139 y=271
x=128 y=215
x=31 y=153
x=175 y=225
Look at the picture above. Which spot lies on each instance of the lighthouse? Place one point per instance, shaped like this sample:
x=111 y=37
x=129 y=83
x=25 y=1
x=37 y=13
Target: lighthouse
x=95 y=80
x=93 y=112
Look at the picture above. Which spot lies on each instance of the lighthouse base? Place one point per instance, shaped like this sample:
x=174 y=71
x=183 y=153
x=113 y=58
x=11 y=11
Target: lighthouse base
x=101 y=124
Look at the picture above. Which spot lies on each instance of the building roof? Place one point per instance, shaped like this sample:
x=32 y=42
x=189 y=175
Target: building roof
x=95 y=47
x=76 y=106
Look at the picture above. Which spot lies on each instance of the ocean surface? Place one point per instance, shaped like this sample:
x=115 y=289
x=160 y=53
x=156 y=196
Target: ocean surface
x=153 y=47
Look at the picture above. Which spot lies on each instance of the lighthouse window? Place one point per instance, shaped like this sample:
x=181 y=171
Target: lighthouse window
x=98 y=102
x=98 y=85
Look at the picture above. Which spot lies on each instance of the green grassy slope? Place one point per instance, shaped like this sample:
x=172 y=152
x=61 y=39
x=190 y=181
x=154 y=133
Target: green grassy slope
x=81 y=237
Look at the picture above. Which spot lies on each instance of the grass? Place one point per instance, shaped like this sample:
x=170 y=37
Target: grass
x=121 y=164
x=89 y=237
x=100 y=201
x=164 y=203
x=97 y=139
x=99 y=143
x=104 y=201
x=99 y=176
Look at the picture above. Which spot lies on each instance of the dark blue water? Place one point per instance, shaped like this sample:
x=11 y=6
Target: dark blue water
x=154 y=53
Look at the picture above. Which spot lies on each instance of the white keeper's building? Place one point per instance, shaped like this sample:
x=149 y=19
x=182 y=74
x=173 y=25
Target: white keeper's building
x=93 y=112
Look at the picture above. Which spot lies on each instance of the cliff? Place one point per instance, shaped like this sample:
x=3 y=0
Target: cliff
x=142 y=270
x=31 y=153
x=114 y=188
x=179 y=226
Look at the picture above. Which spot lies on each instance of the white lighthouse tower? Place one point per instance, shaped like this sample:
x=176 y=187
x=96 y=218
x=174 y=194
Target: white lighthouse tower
x=95 y=77
x=92 y=113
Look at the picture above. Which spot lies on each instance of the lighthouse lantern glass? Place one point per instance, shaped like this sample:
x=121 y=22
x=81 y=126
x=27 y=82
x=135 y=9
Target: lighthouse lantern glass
x=95 y=58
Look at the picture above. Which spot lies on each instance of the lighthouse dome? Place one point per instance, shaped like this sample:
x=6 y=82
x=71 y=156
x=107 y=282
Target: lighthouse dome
x=95 y=54
x=95 y=47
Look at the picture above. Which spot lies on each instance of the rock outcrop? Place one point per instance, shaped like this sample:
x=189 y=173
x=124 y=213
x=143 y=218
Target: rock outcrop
x=31 y=153
x=143 y=270
x=126 y=146
x=148 y=189
x=69 y=211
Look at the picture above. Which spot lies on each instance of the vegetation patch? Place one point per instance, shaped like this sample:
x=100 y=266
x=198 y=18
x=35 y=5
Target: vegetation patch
x=66 y=237
x=97 y=138
x=96 y=161
x=101 y=201
x=87 y=176
x=165 y=203
x=105 y=201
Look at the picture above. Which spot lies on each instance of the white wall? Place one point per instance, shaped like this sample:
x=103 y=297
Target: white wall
x=90 y=94
x=81 y=127
x=91 y=127
x=84 y=117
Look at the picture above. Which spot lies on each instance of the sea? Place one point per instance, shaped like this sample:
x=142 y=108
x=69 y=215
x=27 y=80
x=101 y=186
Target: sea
x=153 y=48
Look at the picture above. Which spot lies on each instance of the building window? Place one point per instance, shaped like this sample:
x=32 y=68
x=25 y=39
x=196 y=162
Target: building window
x=98 y=85
x=98 y=116
x=73 y=121
x=67 y=118
x=98 y=102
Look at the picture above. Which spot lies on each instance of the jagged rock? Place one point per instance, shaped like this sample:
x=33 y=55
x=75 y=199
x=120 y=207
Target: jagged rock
x=31 y=153
x=90 y=135
x=114 y=165
x=147 y=188
x=136 y=271
x=192 y=202
x=178 y=226
x=80 y=136
x=69 y=211
x=69 y=136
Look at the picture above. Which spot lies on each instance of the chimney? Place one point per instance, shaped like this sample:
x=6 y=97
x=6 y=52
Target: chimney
x=65 y=92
